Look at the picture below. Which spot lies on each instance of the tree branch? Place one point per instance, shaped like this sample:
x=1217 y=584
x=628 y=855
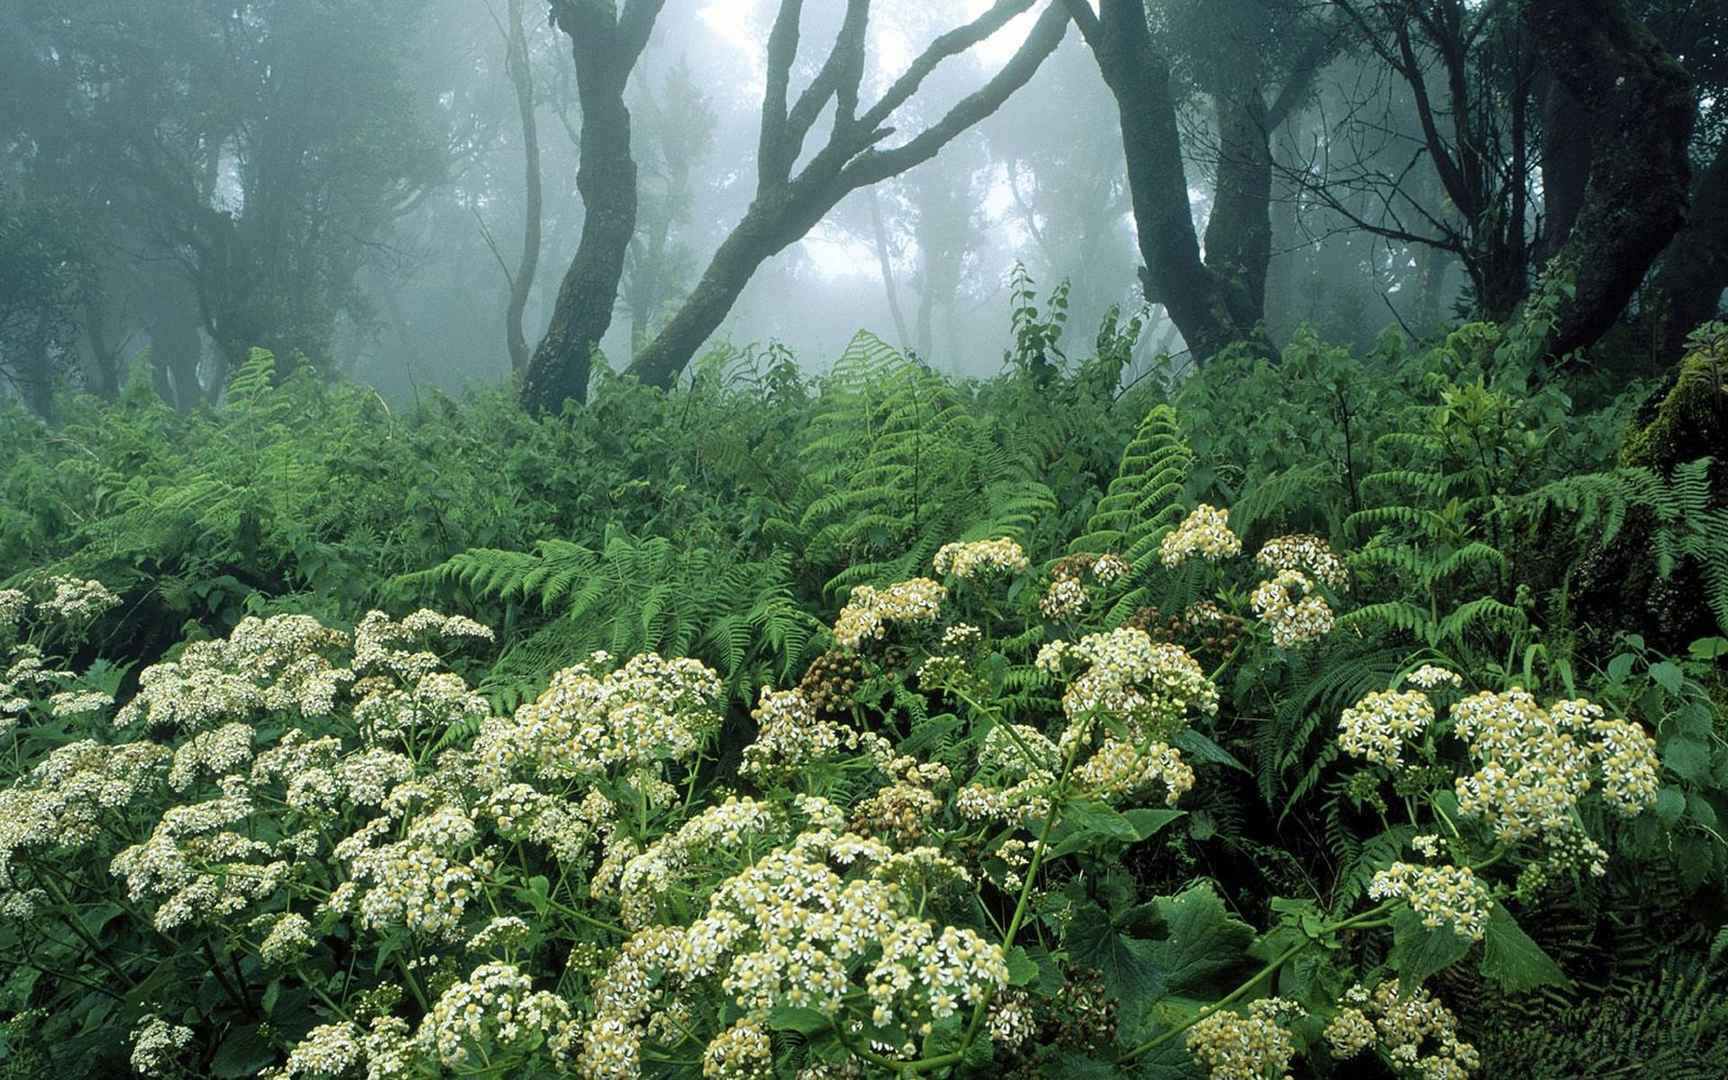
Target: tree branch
x=874 y=165
x=952 y=43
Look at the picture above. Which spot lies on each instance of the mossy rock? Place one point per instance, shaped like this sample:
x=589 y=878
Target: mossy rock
x=1687 y=418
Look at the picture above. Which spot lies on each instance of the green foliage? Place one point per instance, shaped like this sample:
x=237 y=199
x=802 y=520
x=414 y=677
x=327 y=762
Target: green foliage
x=1143 y=502
x=728 y=524
x=896 y=465
x=634 y=596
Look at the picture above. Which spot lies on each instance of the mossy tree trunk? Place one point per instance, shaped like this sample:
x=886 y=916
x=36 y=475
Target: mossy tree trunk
x=1639 y=103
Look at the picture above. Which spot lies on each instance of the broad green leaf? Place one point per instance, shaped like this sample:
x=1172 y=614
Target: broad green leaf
x=1125 y=962
x=1419 y=951
x=1201 y=748
x=1022 y=969
x=1206 y=950
x=1512 y=960
x=1667 y=675
x=1689 y=759
x=803 y=1021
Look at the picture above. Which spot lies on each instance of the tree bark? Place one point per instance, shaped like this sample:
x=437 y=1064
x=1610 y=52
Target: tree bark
x=1688 y=286
x=1566 y=151
x=1211 y=309
x=516 y=61
x=604 y=46
x=1640 y=103
x=1239 y=230
x=1139 y=78
x=786 y=207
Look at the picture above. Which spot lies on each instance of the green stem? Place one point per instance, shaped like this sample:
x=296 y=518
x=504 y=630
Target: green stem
x=1365 y=920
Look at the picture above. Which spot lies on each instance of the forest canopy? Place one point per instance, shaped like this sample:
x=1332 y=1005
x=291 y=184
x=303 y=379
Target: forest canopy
x=747 y=539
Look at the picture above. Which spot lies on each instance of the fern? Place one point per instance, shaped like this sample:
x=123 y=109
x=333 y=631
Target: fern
x=1144 y=500
x=1684 y=523
x=897 y=466
x=636 y=596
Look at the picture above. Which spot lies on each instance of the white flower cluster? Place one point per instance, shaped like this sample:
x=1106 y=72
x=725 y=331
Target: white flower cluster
x=868 y=610
x=592 y=722
x=13 y=604
x=1416 y=1033
x=384 y=644
x=790 y=926
x=1534 y=764
x=495 y=1014
x=66 y=800
x=26 y=678
x=969 y=560
x=279 y=663
x=76 y=600
x=1430 y=677
x=157 y=1046
x=1064 y=599
x=1148 y=689
x=1293 y=609
x=1205 y=533
x=1130 y=677
x=1377 y=727
x=741 y=1052
x=198 y=864
x=719 y=830
x=1308 y=553
x=1246 y=1046
x=436 y=702
x=1443 y=895
x=420 y=882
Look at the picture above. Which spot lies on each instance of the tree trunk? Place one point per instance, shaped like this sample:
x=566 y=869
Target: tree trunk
x=38 y=373
x=1640 y=103
x=604 y=46
x=522 y=78
x=1173 y=275
x=880 y=235
x=736 y=261
x=1239 y=230
x=1566 y=150
x=1694 y=271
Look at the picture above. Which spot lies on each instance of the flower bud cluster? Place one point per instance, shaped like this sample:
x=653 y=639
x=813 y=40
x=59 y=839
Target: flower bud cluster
x=1307 y=553
x=1205 y=534
x=981 y=557
x=869 y=610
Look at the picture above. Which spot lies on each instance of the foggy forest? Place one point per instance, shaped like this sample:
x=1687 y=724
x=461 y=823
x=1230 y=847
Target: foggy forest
x=846 y=539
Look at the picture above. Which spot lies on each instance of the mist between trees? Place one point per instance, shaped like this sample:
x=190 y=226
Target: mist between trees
x=420 y=193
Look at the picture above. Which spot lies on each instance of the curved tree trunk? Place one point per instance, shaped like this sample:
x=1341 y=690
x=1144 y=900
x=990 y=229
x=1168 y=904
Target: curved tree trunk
x=1640 y=103
x=787 y=206
x=604 y=46
x=729 y=271
x=1694 y=271
x=522 y=282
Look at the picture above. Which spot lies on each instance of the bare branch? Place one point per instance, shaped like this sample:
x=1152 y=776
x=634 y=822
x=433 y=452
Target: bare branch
x=951 y=44
x=875 y=165
x=782 y=51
